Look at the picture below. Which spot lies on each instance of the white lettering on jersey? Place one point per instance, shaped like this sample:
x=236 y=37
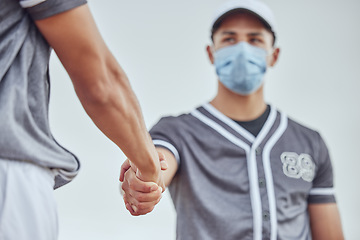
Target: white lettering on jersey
x=298 y=166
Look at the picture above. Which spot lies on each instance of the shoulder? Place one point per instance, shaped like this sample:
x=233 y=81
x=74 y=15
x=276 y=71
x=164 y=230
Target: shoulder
x=302 y=130
x=180 y=122
x=302 y=135
x=172 y=131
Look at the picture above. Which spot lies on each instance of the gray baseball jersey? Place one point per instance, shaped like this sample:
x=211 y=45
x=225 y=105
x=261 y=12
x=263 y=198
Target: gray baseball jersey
x=232 y=185
x=24 y=87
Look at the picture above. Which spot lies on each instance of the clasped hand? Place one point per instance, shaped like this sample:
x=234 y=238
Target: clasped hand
x=140 y=197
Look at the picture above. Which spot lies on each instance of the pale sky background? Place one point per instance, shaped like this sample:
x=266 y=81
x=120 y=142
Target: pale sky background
x=161 y=45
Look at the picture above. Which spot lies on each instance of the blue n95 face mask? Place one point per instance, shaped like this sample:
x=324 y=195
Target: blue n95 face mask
x=241 y=67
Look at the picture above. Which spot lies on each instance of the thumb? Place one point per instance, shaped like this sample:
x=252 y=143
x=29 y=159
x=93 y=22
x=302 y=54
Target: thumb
x=124 y=167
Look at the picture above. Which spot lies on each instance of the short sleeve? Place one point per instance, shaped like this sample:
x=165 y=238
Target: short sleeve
x=166 y=134
x=323 y=183
x=40 y=9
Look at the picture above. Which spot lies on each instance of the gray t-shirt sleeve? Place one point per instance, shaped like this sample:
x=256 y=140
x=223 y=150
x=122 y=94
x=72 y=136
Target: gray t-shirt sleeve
x=323 y=183
x=166 y=134
x=40 y=9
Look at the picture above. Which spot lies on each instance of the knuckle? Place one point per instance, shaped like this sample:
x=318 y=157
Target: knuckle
x=127 y=176
x=145 y=188
x=142 y=206
x=131 y=184
x=135 y=203
x=139 y=197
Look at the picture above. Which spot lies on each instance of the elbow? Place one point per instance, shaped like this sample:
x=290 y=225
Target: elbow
x=102 y=90
x=95 y=94
x=98 y=93
x=108 y=98
x=99 y=80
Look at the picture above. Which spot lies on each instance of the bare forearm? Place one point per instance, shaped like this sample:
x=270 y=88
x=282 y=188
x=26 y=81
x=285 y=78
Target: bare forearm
x=101 y=85
x=325 y=221
x=117 y=114
x=172 y=165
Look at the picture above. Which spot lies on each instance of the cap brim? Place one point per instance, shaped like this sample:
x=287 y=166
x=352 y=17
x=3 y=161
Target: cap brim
x=235 y=10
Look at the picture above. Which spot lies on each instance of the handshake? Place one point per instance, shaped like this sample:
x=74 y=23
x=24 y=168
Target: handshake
x=140 y=196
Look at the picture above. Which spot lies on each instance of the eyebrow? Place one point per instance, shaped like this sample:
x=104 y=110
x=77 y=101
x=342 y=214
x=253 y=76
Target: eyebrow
x=254 y=34
x=228 y=33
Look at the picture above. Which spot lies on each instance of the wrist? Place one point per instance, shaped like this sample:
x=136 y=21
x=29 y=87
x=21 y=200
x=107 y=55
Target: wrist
x=151 y=170
x=149 y=174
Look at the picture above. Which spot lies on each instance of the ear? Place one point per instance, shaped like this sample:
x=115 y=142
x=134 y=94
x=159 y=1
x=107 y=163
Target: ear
x=210 y=54
x=274 y=57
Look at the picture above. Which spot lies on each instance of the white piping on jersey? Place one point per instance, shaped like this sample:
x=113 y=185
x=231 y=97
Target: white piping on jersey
x=30 y=3
x=245 y=133
x=254 y=195
x=268 y=174
x=251 y=161
x=220 y=130
x=322 y=191
x=254 y=182
x=266 y=128
x=169 y=146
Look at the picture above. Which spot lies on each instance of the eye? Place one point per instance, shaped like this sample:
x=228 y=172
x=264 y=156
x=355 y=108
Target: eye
x=229 y=40
x=256 y=40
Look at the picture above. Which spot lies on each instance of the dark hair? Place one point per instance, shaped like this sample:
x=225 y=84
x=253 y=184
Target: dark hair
x=219 y=21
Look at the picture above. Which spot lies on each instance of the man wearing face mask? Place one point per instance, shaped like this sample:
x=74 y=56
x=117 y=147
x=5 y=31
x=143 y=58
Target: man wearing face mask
x=239 y=168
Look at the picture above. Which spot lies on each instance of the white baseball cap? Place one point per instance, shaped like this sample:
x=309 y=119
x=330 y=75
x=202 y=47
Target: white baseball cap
x=256 y=7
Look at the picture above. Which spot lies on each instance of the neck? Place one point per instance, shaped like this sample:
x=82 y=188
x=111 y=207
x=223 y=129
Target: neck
x=238 y=107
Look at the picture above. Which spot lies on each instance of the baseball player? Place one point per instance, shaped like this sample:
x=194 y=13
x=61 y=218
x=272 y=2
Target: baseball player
x=31 y=161
x=238 y=167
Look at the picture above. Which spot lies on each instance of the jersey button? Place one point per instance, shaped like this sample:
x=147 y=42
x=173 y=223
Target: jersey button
x=262 y=183
x=266 y=216
x=258 y=151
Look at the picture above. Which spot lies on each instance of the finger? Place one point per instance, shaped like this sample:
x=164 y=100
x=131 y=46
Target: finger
x=143 y=208
x=136 y=184
x=137 y=207
x=135 y=197
x=141 y=203
x=133 y=166
x=162 y=186
x=122 y=192
x=140 y=197
x=163 y=162
x=129 y=207
x=124 y=167
x=134 y=208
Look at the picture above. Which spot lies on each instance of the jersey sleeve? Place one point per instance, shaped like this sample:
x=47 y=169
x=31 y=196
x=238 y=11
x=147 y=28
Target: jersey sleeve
x=166 y=134
x=40 y=9
x=323 y=183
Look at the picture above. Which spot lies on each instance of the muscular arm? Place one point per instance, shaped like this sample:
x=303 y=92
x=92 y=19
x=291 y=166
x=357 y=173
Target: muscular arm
x=101 y=85
x=325 y=221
